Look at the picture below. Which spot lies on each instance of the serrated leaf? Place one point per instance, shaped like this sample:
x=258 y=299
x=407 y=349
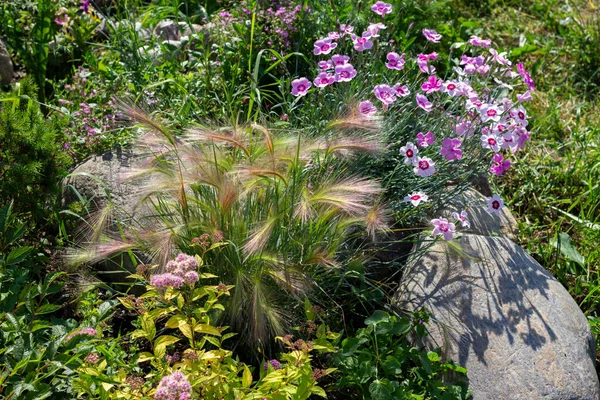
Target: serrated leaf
x=13 y=321
x=48 y=308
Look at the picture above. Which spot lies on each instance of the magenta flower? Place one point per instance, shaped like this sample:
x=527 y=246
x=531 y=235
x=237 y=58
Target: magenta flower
x=522 y=137
x=300 y=86
x=499 y=165
x=381 y=8
x=333 y=35
x=325 y=65
x=338 y=59
x=424 y=103
x=425 y=140
x=424 y=167
x=362 y=43
x=490 y=142
x=373 y=29
x=495 y=204
x=416 y=198
x=85 y=6
x=410 y=152
x=479 y=42
x=401 y=91
x=164 y=281
x=451 y=88
x=344 y=73
x=464 y=127
x=367 y=108
x=273 y=363
x=395 y=61
x=525 y=75
x=385 y=93
x=324 y=79
x=324 y=46
x=500 y=58
x=433 y=84
x=432 y=35
x=490 y=112
x=462 y=217
x=450 y=149
x=423 y=62
x=444 y=228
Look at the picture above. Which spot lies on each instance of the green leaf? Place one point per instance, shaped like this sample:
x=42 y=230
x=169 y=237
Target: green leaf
x=145 y=356
x=380 y=391
x=18 y=254
x=246 y=377
x=13 y=321
x=161 y=343
x=564 y=244
x=205 y=328
x=48 y=308
x=377 y=317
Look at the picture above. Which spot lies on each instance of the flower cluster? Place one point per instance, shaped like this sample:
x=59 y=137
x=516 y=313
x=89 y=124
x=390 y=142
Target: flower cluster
x=273 y=363
x=174 y=387
x=180 y=271
x=86 y=331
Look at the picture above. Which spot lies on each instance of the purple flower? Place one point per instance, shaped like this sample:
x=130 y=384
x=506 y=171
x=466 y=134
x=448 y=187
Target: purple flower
x=163 y=281
x=433 y=84
x=325 y=65
x=395 y=61
x=324 y=46
x=385 y=93
x=479 y=42
x=423 y=62
x=367 y=108
x=362 y=43
x=525 y=75
x=432 y=35
x=450 y=149
x=499 y=165
x=373 y=29
x=300 y=86
x=424 y=103
x=443 y=227
x=273 y=363
x=381 y=8
x=324 y=79
x=424 y=167
x=425 y=140
x=344 y=73
x=85 y=6
x=401 y=91
x=521 y=98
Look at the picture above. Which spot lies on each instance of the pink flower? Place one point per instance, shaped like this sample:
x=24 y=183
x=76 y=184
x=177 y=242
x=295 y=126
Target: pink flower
x=423 y=62
x=432 y=35
x=346 y=29
x=325 y=65
x=324 y=46
x=525 y=75
x=409 y=151
x=382 y=8
x=495 y=204
x=520 y=115
x=521 y=98
x=425 y=140
x=362 y=43
x=401 y=91
x=444 y=228
x=462 y=217
x=300 y=86
x=500 y=58
x=416 y=198
x=367 y=108
x=451 y=88
x=163 y=281
x=333 y=35
x=450 y=149
x=479 y=42
x=424 y=167
x=344 y=73
x=173 y=387
x=463 y=127
x=490 y=112
x=433 y=84
x=424 y=103
x=338 y=59
x=490 y=142
x=373 y=29
x=395 y=61
x=191 y=277
x=499 y=166
x=324 y=79
x=385 y=93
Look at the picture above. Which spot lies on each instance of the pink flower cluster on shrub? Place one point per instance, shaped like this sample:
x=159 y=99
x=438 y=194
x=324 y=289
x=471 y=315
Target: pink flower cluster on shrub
x=174 y=387
x=180 y=271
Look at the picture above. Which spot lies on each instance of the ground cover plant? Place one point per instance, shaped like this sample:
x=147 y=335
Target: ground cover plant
x=287 y=145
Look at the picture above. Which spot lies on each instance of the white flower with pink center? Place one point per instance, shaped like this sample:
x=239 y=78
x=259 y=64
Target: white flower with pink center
x=324 y=79
x=401 y=91
x=300 y=86
x=385 y=93
x=367 y=108
x=520 y=115
x=344 y=73
x=432 y=35
x=462 y=218
x=424 y=167
x=433 y=84
x=491 y=142
x=324 y=46
x=333 y=35
x=362 y=43
x=416 y=198
x=395 y=61
x=495 y=204
x=410 y=152
x=424 y=103
x=443 y=227
x=490 y=112
x=451 y=88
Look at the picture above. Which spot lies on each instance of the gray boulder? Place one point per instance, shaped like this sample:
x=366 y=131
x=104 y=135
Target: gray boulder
x=6 y=66
x=167 y=30
x=501 y=315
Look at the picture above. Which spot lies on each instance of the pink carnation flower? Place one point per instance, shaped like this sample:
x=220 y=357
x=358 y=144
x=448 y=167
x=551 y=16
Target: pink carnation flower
x=490 y=112
x=324 y=79
x=433 y=84
x=450 y=149
x=325 y=65
x=410 y=152
x=344 y=73
x=462 y=217
x=385 y=93
x=499 y=165
x=444 y=228
x=367 y=108
x=416 y=198
x=382 y=8
x=395 y=61
x=424 y=103
x=425 y=140
x=491 y=142
x=521 y=98
x=495 y=204
x=401 y=91
x=300 y=86
x=373 y=29
x=424 y=167
x=362 y=43
x=338 y=59
x=479 y=42
x=432 y=35
x=324 y=46
x=451 y=88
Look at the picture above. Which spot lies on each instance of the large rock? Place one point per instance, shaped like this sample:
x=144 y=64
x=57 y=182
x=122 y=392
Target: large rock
x=504 y=317
x=6 y=66
x=167 y=30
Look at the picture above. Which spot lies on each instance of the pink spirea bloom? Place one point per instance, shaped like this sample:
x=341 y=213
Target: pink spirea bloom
x=344 y=73
x=401 y=91
x=382 y=8
x=424 y=103
x=338 y=59
x=416 y=198
x=479 y=42
x=495 y=204
x=374 y=29
x=499 y=165
x=325 y=65
x=385 y=93
x=367 y=108
x=433 y=84
x=432 y=35
x=491 y=142
x=164 y=281
x=410 y=152
x=85 y=331
x=324 y=46
x=362 y=43
x=424 y=167
x=490 y=112
x=450 y=149
x=395 y=61
x=324 y=79
x=463 y=218
x=173 y=387
x=443 y=227
x=300 y=86
x=425 y=140
x=181 y=270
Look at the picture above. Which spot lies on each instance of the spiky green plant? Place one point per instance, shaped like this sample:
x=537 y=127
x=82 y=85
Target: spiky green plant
x=269 y=213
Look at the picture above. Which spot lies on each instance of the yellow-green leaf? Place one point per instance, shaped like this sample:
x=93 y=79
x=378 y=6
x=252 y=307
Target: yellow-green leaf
x=145 y=356
x=205 y=328
x=148 y=326
x=174 y=321
x=161 y=343
x=186 y=329
x=246 y=377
